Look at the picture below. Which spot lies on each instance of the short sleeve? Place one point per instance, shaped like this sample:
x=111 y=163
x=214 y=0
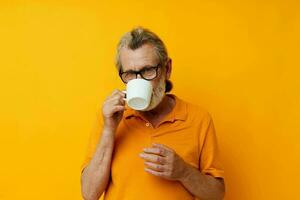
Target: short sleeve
x=94 y=137
x=209 y=159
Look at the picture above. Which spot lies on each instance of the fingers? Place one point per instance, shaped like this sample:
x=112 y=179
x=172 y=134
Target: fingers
x=155 y=166
x=160 y=161
x=118 y=92
x=117 y=101
x=153 y=158
x=118 y=108
x=113 y=103
x=116 y=98
x=156 y=150
x=156 y=173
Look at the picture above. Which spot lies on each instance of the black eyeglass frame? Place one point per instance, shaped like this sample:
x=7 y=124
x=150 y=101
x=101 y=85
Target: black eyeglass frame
x=141 y=71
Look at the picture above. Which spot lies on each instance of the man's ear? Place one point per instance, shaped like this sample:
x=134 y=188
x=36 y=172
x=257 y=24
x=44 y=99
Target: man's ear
x=168 y=68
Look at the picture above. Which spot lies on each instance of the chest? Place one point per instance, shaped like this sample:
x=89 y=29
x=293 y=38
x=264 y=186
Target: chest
x=130 y=141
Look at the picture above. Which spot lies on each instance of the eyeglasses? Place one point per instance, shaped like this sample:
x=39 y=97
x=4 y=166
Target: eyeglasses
x=147 y=73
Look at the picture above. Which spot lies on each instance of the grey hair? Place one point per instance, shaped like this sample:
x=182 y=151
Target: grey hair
x=138 y=37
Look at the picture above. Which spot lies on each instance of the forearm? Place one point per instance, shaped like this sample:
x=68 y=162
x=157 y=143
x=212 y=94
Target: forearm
x=95 y=176
x=202 y=186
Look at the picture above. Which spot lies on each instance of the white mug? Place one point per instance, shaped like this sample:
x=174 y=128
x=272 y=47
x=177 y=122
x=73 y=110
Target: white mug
x=138 y=94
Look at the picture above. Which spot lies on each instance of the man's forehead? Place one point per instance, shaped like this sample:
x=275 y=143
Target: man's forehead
x=138 y=58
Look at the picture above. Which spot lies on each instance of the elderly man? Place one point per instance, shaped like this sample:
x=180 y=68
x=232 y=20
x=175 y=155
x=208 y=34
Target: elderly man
x=167 y=151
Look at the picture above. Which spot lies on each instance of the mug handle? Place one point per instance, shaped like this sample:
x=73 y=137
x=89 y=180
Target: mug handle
x=125 y=92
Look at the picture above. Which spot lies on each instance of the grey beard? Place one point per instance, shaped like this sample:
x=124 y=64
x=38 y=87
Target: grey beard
x=157 y=95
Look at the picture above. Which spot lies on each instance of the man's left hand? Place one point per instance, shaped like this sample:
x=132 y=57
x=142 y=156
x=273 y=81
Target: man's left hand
x=163 y=161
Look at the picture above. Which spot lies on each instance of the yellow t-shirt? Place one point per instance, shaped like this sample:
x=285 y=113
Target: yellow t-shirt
x=187 y=129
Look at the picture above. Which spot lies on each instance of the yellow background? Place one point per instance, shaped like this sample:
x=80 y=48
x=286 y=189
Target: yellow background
x=239 y=59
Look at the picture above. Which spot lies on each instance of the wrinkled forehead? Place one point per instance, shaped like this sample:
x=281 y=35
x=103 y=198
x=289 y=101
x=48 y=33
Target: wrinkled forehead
x=138 y=58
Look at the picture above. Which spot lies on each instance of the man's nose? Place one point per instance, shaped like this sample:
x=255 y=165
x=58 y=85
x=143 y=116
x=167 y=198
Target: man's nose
x=138 y=76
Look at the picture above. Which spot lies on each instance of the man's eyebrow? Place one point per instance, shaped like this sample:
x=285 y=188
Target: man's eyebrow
x=146 y=66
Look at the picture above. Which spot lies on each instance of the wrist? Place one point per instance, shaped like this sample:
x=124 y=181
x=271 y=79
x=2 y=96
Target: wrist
x=107 y=129
x=185 y=173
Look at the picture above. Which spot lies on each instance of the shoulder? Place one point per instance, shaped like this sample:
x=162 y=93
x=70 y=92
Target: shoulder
x=196 y=113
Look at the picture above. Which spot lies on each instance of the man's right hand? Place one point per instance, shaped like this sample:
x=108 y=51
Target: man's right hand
x=95 y=177
x=113 y=109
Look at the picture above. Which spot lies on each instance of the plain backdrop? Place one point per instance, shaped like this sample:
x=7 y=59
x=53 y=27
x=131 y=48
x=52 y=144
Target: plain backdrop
x=238 y=59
